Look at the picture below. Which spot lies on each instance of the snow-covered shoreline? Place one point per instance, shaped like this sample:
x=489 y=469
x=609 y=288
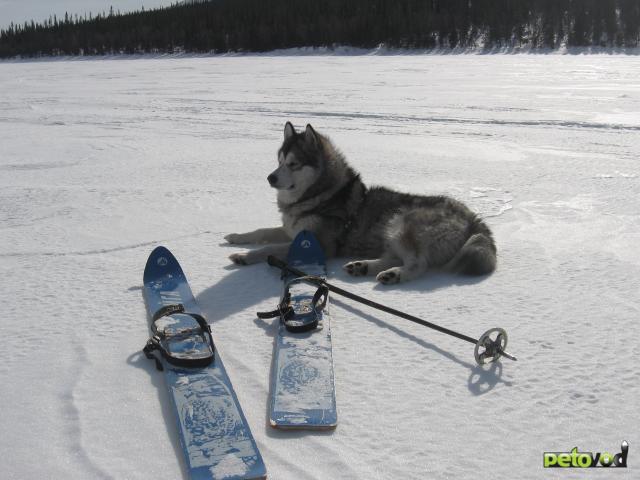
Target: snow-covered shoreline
x=345 y=51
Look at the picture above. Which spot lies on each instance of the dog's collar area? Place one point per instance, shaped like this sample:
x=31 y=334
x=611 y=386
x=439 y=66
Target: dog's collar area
x=335 y=205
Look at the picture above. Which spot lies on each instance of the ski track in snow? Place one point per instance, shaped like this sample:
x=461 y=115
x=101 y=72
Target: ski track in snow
x=101 y=160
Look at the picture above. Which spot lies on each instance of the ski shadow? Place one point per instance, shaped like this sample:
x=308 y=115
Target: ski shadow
x=482 y=379
x=138 y=360
x=243 y=288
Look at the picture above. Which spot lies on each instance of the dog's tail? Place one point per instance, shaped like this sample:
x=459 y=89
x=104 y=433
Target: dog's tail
x=478 y=255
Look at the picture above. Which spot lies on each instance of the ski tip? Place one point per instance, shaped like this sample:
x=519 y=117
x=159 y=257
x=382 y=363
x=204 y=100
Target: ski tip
x=159 y=251
x=305 y=249
x=160 y=261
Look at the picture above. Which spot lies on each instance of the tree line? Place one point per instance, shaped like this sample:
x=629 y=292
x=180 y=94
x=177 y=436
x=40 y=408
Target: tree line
x=261 y=25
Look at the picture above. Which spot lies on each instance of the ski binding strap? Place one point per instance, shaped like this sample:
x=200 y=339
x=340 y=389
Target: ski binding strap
x=183 y=346
x=296 y=317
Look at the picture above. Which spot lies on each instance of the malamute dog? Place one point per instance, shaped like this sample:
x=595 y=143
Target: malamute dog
x=394 y=236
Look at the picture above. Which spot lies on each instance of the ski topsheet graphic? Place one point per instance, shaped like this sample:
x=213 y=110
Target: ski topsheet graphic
x=214 y=434
x=302 y=382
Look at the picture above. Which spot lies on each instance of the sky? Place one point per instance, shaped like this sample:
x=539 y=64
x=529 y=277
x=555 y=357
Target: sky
x=19 y=11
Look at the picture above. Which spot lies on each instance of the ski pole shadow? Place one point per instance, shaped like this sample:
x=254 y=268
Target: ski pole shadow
x=482 y=379
x=138 y=360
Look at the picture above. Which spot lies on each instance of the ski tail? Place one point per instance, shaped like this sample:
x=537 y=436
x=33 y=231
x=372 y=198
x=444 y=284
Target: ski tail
x=478 y=255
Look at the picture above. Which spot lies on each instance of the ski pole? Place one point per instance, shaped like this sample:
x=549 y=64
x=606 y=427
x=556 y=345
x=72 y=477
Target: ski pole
x=493 y=348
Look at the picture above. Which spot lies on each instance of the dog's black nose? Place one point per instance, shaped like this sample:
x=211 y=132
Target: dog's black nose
x=272 y=179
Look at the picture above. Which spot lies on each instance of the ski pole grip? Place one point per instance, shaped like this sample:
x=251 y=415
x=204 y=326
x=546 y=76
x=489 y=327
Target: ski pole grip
x=276 y=262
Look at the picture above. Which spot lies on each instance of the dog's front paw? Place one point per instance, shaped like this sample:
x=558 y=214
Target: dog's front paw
x=235 y=238
x=240 y=258
x=389 y=277
x=357 y=268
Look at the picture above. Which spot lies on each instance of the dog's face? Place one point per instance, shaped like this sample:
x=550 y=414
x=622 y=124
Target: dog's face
x=298 y=163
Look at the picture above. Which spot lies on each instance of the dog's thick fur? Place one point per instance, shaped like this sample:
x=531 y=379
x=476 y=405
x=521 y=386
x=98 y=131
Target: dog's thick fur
x=396 y=236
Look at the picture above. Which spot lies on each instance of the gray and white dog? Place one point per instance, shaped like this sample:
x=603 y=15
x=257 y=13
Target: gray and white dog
x=397 y=236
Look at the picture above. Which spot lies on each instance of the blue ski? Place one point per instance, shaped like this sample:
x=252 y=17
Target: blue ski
x=302 y=381
x=214 y=434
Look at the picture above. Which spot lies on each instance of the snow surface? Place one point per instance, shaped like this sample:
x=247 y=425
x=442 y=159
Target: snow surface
x=100 y=161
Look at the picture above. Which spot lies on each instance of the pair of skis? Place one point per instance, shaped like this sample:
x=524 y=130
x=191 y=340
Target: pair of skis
x=214 y=434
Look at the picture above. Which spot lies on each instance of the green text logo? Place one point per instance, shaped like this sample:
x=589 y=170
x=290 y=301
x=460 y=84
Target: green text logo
x=576 y=459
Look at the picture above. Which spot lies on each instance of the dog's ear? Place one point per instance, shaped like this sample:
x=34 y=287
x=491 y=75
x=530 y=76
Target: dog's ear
x=289 y=131
x=310 y=136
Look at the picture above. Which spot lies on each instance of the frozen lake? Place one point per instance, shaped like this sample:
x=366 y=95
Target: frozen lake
x=102 y=160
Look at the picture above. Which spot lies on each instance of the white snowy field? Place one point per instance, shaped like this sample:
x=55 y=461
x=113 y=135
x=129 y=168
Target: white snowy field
x=101 y=161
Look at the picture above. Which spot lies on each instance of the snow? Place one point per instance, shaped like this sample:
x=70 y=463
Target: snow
x=102 y=160
x=229 y=467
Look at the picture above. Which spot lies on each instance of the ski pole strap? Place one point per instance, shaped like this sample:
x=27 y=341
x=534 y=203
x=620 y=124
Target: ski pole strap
x=286 y=311
x=159 y=339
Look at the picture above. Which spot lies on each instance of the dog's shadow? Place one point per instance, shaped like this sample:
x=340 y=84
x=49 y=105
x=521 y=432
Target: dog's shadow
x=240 y=290
x=247 y=286
x=244 y=287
